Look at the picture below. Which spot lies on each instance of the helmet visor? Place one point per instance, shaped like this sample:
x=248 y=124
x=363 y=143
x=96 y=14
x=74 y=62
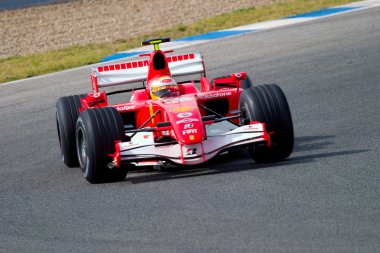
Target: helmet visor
x=164 y=91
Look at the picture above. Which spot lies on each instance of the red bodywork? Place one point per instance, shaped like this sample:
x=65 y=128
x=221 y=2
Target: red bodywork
x=175 y=108
x=183 y=114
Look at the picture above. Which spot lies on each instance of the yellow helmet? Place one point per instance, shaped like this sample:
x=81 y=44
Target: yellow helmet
x=163 y=86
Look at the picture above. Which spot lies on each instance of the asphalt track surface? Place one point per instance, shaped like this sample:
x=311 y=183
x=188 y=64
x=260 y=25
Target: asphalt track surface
x=325 y=198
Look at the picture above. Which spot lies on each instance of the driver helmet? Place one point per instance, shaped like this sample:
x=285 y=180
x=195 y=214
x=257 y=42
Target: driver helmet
x=163 y=86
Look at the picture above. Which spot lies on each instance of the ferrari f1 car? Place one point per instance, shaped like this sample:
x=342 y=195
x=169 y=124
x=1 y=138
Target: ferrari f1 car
x=167 y=122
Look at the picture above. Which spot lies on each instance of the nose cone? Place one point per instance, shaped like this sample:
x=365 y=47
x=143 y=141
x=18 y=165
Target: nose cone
x=189 y=128
x=186 y=121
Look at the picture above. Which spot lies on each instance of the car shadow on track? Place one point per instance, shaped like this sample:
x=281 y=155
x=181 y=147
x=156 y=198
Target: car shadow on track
x=315 y=142
x=240 y=161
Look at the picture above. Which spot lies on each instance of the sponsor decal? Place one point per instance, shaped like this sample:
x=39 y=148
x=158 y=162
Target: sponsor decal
x=184 y=114
x=191 y=151
x=176 y=100
x=125 y=107
x=255 y=127
x=189 y=131
x=96 y=95
x=167 y=80
x=218 y=95
x=182 y=109
x=191 y=137
x=187 y=120
x=187 y=126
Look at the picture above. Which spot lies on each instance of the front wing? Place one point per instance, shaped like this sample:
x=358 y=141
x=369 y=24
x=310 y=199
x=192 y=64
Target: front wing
x=142 y=146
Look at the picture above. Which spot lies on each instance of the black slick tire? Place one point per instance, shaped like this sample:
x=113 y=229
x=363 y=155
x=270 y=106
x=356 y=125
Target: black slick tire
x=96 y=133
x=267 y=104
x=67 y=111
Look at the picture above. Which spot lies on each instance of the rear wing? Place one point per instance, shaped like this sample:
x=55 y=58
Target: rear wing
x=136 y=71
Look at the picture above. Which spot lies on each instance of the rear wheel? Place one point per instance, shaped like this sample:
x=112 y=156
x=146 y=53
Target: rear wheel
x=267 y=104
x=96 y=133
x=67 y=111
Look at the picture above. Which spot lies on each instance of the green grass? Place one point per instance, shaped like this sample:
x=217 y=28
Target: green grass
x=19 y=67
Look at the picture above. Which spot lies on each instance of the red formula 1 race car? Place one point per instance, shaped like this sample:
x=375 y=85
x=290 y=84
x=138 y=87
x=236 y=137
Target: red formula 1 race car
x=168 y=122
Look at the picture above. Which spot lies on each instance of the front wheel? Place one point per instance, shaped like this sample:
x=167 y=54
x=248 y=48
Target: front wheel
x=97 y=131
x=267 y=104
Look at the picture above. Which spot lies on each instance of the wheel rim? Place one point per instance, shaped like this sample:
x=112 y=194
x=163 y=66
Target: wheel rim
x=81 y=149
x=244 y=120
